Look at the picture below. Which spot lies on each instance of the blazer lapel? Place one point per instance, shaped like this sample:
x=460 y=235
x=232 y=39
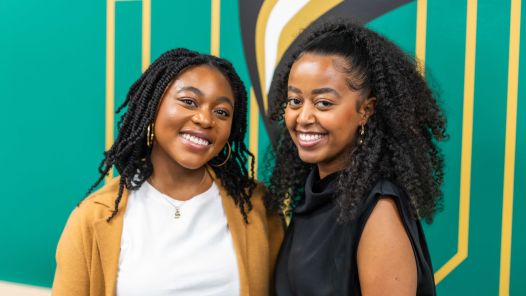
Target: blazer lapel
x=108 y=237
x=237 y=227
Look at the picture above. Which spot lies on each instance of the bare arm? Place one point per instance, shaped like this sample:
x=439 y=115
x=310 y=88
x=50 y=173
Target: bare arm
x=386 y=262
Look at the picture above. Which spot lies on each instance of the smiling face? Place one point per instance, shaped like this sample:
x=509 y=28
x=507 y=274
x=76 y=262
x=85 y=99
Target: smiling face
x=194 y=118
x=323 y=112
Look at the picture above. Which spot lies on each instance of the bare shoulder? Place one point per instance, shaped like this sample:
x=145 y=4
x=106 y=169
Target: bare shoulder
x=386 y=261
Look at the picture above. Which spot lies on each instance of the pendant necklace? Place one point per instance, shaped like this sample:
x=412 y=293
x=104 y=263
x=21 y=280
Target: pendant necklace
x=179 y=206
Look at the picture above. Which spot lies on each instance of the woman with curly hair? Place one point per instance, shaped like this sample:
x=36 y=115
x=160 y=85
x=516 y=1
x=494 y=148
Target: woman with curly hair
x=357 y=165
x=179 y=218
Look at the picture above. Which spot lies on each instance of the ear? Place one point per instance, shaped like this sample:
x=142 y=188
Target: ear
x=367 y=108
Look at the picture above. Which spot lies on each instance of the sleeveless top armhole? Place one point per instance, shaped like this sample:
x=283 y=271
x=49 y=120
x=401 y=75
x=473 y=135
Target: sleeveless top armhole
x=413 y=228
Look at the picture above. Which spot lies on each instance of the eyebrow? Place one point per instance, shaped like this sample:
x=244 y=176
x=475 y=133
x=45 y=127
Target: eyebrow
x=221 y=99
x=192 y=89
x=317 y=91
x=227 y=100
x=325 y=90
x=294 y=89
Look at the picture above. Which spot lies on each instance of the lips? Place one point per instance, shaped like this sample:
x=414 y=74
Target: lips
x=309 y=139
x=195 y=139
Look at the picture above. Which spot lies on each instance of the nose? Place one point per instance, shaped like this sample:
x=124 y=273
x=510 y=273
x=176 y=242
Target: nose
x=203 y=118
x=306 y=115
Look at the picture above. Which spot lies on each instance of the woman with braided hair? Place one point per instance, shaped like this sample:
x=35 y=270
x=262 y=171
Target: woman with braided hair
x=357 y=166
x=185 y=216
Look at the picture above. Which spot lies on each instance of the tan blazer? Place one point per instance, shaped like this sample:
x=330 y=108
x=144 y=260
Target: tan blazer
x=88 y=250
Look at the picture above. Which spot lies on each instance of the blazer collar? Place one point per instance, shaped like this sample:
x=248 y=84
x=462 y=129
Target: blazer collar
x=108 y=234
x=237 y=227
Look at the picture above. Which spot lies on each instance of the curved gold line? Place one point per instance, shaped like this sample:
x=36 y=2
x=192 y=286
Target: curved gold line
x=261 y=26
x=467 y=142
x=110 y=77
x=254 y=129
x=146 y=33
x=509 y=156
x=421 y=28
x=215 y=24
x=308 y=13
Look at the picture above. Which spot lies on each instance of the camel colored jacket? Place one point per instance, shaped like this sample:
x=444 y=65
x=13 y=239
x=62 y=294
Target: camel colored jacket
x=89 y=248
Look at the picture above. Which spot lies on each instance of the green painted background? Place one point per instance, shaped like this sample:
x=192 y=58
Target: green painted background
x=52 y=94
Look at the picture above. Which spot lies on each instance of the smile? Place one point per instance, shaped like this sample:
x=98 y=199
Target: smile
x=309 y=139
x=195 y=140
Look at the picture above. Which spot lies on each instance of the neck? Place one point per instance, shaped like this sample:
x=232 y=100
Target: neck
x=335 y=164
x=176 y=181
x=324 y=171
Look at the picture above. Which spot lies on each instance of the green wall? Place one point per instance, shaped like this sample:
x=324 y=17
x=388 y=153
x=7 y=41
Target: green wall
x=52 y=82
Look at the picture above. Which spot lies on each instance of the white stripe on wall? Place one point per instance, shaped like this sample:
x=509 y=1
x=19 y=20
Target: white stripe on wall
x=13 y=289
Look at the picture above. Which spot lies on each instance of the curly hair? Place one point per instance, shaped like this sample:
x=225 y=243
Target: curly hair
x=132 y=157
x=400 y=141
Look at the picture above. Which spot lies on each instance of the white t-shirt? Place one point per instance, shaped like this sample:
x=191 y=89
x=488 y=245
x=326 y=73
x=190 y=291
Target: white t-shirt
x=161 y=255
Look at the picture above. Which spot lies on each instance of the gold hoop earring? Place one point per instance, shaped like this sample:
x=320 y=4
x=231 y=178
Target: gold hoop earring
x=362 y=134
x=227 y=157
x=150 y=135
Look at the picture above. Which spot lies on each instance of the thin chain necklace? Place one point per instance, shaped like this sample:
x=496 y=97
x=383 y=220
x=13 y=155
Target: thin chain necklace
x=177 y=208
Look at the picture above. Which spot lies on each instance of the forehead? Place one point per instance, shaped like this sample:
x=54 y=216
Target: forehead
x=206 y=78
x=319 y=69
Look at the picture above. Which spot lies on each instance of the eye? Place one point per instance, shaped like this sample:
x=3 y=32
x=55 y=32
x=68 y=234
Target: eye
x=323 y=104
x=293 y=102
x=222 y=113
x=188 y=102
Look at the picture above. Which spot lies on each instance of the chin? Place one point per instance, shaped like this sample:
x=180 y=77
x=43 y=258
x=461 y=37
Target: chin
x=309 y=158
x=192 y=163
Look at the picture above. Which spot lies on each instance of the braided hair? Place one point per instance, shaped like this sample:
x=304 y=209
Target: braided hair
x=132 y=157
x=400 y=141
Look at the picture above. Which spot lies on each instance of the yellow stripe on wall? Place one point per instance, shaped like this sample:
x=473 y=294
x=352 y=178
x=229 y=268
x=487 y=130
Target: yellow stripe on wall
x=254 y=129
x=146 y=33
x=421 y=28
x=467 y=140
x=110 y=76
x=215 y=24
x=509 y=157
x=110 y=64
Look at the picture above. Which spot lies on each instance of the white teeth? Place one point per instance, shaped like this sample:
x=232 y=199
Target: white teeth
x=195 y=140
x=309 y=137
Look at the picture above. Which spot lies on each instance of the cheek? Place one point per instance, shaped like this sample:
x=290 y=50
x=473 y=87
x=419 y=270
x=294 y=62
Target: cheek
x=341 y=124
x=169 y=114
x=170 y=109
x=224 y=128
x=289 y=118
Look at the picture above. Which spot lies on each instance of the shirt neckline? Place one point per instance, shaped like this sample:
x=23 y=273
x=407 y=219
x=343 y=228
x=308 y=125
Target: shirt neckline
x=152 y=191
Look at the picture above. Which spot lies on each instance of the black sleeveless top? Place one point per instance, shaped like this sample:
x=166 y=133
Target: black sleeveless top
x=318 y=255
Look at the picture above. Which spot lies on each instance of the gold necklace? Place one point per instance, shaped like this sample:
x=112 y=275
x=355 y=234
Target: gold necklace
x=178 y=207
